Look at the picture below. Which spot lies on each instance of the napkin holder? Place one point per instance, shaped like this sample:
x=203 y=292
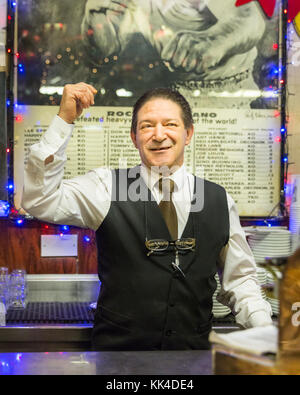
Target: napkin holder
x=287 y=361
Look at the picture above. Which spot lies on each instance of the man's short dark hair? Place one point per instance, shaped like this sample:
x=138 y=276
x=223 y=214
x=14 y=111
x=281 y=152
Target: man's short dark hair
x=163 y=93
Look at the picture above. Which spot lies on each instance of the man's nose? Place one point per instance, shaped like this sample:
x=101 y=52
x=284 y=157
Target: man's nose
x=159 y=133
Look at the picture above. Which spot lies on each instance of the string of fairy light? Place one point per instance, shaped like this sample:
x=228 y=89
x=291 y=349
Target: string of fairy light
x=283 y=106
x=14 y=64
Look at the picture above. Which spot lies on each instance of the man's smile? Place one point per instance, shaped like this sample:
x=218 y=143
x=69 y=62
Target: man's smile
x=160 y=149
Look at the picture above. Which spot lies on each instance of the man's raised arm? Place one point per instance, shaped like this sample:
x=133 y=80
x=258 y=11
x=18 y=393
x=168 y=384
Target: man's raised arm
x=46 y=195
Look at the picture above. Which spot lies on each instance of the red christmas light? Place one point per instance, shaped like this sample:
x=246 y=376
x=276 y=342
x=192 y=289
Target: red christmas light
x=19 y=118
x=276 y=113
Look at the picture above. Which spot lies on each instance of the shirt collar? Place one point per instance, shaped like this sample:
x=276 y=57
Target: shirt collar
x=151 y=177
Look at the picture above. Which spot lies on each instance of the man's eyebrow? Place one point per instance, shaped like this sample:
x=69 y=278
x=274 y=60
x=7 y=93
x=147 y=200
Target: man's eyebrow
x=164 y=120
x=145 y=120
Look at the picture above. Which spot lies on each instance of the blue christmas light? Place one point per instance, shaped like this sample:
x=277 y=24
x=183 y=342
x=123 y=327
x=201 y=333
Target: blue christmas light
x=20 y=222
x=87 y=239
x=10 y=186
x=4 y=208
x=21 y=68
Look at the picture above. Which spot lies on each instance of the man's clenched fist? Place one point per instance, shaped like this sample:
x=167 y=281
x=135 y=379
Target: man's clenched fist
x=75 y=98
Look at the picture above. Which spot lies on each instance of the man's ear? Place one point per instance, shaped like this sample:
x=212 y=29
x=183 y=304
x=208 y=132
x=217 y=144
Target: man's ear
x=189 y=134
x=133 y=138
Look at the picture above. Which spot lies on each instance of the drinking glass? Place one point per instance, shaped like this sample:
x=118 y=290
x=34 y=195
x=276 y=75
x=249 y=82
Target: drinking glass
x=4 y=286
x=17 y=289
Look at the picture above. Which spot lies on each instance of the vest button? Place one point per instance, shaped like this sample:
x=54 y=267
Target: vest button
x=171 y=304
x=169 y=332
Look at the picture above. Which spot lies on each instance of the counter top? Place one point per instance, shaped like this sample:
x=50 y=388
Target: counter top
x=198 y=362
x=52 y=338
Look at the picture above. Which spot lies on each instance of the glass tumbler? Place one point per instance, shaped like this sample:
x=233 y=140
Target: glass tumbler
x=4 y=286
x=17 y=289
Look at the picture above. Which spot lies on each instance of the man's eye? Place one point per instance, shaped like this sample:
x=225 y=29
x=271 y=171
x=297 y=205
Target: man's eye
x=171 y=124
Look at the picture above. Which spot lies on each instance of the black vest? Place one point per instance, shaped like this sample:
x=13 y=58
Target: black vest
x=144 y=302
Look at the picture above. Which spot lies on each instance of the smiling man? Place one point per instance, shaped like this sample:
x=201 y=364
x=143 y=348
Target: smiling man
x=159 y=130
x=158 y=256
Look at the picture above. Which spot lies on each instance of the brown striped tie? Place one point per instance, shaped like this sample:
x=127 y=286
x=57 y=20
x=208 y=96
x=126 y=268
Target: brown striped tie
x=167 y=207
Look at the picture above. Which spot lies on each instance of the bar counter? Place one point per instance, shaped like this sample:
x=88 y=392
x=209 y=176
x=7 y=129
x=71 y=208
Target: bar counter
x=198 y=362
x=50 y=348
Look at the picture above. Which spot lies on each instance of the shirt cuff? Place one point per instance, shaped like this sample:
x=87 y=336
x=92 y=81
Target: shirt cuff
x=58 y=133
x=259 y=318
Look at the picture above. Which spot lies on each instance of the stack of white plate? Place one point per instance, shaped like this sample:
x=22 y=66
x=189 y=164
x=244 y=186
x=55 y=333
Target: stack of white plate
x=274 y=302
x=219 y=310
x=295 y=213
x=275 y=305
x=262 y=279
x=269 y=242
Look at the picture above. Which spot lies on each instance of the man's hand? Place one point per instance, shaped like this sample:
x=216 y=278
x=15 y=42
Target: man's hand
x=193 y=51
x=75 y=98
x=236 y=32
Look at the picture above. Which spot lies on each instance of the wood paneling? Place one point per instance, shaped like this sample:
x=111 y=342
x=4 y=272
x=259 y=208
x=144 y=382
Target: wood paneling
x=20 y=248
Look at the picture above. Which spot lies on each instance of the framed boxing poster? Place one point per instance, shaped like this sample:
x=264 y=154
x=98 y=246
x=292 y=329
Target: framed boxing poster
x=224 y=59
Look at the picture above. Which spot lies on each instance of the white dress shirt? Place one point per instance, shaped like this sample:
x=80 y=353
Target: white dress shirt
x=84 y=201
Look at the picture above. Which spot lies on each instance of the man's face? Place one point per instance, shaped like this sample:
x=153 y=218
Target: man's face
x=160 y=133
